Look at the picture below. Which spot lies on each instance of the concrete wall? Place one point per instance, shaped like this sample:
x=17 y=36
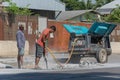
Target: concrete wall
x=115 y=47
x=9 y=48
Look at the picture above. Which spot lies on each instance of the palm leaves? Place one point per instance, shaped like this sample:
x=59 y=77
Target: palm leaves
x=114 y=16
x=78 y=4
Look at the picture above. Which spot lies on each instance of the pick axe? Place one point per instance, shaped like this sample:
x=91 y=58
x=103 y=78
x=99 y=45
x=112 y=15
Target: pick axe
x=44 y=52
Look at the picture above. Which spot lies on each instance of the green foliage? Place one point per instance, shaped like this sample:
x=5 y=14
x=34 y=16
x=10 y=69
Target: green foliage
x=84 y=5
x=114 y=16
x=77 y=4
x=14 y=9
x=71 y=4
x=6 y=0
x=90 y=17
x=25 y=11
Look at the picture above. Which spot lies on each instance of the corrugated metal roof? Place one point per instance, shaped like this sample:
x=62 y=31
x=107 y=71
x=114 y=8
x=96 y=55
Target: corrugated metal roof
x=64 y=15
x=40 y=4
x=111 y=4
x=106 y=9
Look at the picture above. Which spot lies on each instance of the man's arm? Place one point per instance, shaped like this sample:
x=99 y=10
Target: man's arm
x=44 y=37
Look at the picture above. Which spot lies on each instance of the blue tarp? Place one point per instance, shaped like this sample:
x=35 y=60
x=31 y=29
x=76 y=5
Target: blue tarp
x=76 y=29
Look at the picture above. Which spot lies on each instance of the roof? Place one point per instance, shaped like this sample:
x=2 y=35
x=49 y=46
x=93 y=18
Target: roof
x=106 y=9
x=111 y=4
x=40 y=4
x=64 y=15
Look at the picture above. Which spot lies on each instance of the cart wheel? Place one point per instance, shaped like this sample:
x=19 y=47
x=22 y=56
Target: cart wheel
x=102 y=56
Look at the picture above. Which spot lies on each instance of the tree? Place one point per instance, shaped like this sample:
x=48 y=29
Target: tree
x=107 y=1
x=83 y=5
x=86 y=5
x=114 y=16
x=71 y=4
x=78 y=4
x=14 y=9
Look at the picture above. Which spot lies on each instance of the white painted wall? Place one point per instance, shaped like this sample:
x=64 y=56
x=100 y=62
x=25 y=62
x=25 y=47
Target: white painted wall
x=9 y=48
x=42 y=23
x=115 y=47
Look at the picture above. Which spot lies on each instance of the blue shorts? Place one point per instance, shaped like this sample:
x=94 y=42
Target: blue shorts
x=39 y=50
x=21 y=51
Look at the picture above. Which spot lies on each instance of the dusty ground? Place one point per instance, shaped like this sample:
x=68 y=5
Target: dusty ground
x=86 y=63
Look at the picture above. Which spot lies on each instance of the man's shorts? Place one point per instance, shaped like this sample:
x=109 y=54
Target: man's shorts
x=39 y=51
x=21 y=51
